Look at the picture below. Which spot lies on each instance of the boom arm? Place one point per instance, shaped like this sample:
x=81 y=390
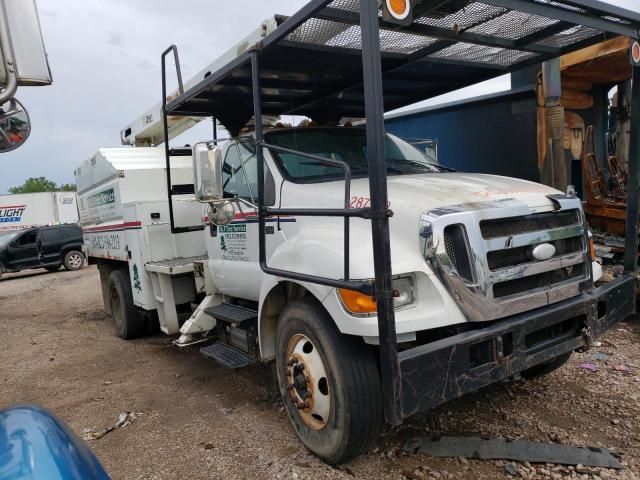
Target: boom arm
x=147 y=130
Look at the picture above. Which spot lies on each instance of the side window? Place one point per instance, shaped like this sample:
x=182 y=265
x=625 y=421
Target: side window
x=27 y=238
x=71 y=232
x=50 y=236
x=240 y=175
x=233 y=176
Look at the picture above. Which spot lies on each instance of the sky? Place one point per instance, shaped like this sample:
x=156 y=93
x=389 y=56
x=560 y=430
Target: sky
x=105 y=60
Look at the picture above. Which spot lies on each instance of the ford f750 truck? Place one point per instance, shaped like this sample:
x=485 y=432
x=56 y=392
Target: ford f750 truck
x=380 y=283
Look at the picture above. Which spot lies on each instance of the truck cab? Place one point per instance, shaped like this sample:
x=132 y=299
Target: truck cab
x=450 y=233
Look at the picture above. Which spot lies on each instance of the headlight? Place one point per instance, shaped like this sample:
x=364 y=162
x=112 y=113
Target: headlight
x=403 y=292
x=360 y=304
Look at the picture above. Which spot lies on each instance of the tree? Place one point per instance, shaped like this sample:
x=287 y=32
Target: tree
x=42 y=184
x=67 y=187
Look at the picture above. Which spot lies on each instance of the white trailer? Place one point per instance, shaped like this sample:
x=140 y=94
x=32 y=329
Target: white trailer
x=19 y=211
x=125 y=218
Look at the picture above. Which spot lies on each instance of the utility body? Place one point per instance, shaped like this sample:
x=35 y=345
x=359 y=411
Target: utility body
x=381 y=283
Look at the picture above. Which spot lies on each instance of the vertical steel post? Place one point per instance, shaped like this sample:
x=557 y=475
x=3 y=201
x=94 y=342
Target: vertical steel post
x=631 y=243
x=374 y=112
x=257 y=113
x=165 y=126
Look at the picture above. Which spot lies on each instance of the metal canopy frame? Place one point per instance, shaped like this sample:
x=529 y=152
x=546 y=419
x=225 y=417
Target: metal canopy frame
x=338 y=58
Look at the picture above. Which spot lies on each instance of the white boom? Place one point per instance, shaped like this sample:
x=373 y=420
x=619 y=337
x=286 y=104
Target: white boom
x=147 y=130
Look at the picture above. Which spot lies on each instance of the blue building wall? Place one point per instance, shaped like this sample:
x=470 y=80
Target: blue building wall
x=497 y=133
x=493 y=134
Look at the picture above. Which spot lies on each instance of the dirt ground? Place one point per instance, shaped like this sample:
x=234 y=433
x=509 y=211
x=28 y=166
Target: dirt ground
x=198 y=420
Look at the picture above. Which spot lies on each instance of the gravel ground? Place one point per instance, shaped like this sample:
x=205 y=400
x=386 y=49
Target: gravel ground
x=196 y=420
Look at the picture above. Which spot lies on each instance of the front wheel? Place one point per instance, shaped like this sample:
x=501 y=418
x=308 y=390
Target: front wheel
x=329 y=383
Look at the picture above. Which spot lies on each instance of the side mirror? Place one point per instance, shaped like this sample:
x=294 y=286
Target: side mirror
x=207 y=172
x=15 y=126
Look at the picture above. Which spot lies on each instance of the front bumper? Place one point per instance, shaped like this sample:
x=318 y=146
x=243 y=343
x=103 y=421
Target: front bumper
x=446 y=369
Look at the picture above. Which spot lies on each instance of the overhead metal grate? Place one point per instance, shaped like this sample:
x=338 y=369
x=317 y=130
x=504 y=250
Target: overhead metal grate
x=311 y=63
x=571 y=36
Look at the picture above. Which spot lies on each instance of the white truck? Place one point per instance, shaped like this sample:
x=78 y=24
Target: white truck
x=379 y=282
x=26 y=210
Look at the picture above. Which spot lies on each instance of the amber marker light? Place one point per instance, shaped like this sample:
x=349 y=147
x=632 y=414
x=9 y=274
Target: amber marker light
x=398 y=11
x=357 y=302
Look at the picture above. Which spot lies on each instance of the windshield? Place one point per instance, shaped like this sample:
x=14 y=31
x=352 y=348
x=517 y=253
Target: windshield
x=5 y=238
x=348 y=145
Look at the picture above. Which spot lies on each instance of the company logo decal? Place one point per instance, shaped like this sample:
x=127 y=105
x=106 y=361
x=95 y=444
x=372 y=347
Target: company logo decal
x=102 y=198
x=544 y=251
x=12 y=213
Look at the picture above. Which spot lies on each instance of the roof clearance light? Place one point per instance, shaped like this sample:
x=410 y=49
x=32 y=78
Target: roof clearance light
x=397 y=11
x=635 y=54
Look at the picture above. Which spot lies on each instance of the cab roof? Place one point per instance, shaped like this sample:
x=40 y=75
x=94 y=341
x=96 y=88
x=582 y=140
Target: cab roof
x=311 y=64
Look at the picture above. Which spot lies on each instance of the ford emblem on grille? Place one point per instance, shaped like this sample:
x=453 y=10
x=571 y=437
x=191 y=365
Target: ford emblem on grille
x=544 y=251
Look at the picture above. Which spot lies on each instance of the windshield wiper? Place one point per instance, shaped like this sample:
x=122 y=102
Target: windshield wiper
x=424 y=166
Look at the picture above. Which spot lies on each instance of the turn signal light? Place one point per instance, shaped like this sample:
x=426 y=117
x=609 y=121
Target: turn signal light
x=592 y=249
x=357 y=302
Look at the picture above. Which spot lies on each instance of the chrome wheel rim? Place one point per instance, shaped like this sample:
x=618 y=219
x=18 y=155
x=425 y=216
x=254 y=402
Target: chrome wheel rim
x=307 y=382
x=75 y=260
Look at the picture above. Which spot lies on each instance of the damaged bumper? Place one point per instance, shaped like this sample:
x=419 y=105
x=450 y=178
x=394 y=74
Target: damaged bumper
x=446 y=369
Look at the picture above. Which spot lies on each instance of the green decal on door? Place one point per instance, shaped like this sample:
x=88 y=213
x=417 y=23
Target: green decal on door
x=233 y=243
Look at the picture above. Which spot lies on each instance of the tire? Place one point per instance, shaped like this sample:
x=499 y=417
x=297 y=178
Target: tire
x=128 y=323
x=73 y=260
x=350 y=385
x=547 y=367
x=53 y=268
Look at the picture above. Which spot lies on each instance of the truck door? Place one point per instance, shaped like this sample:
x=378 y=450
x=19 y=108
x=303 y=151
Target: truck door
x=50 y=243
x=22 y=252
x=235 y=246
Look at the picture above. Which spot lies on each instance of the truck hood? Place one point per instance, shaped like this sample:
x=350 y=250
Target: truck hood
x=424 y=192
x=447 y=189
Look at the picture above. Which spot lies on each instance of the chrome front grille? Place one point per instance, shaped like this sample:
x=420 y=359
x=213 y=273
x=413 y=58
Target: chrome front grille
x=456 y=246
x=499 y=276
x=510 y=257
x=505 y=227
x=538 y=281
